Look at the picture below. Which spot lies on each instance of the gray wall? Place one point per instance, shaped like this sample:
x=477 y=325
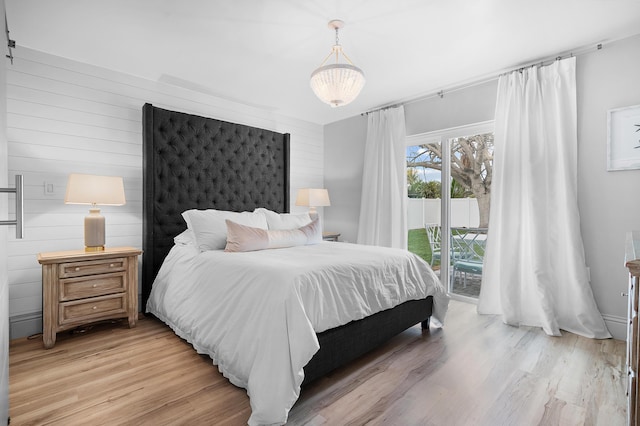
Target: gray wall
x=457 y=108
x=608 y=201
x=344 y=161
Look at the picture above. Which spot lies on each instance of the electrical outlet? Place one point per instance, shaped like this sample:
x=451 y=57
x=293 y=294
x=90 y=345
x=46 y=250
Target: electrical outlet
x=49 y=189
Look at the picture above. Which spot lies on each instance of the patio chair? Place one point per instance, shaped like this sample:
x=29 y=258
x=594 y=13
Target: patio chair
x=434 y=235
x=467 y=252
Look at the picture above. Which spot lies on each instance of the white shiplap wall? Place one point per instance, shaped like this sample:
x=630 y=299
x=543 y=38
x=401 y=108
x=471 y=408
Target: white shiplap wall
x=64 y=116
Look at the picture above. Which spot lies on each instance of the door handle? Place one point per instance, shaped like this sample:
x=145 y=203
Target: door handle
x=19 y=221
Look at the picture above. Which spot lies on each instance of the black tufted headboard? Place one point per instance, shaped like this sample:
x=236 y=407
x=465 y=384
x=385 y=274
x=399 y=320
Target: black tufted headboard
x=197 y=162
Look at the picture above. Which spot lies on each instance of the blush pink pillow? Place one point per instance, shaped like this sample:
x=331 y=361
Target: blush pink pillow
x=246 y=238
x=209 y=227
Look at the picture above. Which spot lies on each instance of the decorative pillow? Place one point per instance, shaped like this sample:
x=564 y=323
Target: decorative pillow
x=284 y=220
x=210 y=229
x=185 y=238
x=245 y=238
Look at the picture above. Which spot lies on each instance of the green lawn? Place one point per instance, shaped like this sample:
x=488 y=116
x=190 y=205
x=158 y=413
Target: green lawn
x=419 y=243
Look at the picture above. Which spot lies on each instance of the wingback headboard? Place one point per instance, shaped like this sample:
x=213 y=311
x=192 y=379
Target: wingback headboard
x=196 y=162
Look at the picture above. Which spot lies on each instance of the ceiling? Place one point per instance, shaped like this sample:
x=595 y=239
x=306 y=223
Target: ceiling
x=262 y=53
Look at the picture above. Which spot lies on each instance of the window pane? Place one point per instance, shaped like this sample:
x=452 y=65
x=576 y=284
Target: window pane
x=471 y=173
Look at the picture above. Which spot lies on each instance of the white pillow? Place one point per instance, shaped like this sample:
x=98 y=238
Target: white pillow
x=185 y=238
x=245 y=238
x=284 y=220
x=210 y=229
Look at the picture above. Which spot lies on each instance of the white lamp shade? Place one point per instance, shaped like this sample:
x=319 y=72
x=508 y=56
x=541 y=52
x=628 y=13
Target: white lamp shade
x=311 y=197
x=95 y=190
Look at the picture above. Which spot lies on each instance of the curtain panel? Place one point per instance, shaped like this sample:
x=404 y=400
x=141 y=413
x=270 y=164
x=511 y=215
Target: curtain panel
x=383 y=206
x=534 y=267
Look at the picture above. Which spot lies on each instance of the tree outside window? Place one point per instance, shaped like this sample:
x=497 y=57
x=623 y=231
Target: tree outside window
x=471 y=171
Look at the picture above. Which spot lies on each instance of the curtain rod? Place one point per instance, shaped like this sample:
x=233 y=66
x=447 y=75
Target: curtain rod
x=493 y=76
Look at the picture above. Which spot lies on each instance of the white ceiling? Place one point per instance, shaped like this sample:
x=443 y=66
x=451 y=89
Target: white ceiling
x=262 y=52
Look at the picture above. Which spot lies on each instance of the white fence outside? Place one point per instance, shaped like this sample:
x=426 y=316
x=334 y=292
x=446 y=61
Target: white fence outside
x=464 y=212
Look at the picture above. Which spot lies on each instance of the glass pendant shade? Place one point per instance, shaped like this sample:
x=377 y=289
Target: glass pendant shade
x=337 y=84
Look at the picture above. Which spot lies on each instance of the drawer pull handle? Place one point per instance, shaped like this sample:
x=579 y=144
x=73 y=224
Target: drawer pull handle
x=95 y=285
x=77 y=268
x=94 y=308
x=112 y=265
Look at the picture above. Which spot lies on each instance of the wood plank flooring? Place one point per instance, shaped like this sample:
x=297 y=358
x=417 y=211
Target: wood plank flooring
x=475 y=371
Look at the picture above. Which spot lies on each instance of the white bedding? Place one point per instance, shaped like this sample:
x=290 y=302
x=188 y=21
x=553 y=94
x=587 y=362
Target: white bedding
x=256 y=313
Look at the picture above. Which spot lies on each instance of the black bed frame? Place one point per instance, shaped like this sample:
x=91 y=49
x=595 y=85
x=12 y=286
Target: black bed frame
x=197 y=162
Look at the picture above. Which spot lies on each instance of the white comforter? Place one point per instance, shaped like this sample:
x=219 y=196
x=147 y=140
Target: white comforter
x=256 y=313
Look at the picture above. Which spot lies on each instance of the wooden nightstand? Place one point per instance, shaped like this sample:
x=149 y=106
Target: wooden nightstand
x=330 y=236
x=81 y=287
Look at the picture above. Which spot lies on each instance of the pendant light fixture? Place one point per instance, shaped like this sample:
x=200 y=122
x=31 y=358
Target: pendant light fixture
x=337 y=84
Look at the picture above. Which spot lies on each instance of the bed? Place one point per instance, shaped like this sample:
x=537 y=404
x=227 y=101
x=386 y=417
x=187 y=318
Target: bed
x=193 y=162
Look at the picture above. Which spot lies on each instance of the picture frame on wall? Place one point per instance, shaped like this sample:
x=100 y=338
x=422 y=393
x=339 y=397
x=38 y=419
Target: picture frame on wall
x=623 y=138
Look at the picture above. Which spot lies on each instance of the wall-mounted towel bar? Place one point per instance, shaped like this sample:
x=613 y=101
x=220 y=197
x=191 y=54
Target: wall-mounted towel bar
x=19 y=221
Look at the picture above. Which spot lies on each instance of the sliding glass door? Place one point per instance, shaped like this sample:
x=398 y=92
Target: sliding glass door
x=449 y=184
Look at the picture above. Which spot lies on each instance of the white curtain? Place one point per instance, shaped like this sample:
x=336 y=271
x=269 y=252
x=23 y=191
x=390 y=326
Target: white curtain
x=383 y=207
x=534 y=267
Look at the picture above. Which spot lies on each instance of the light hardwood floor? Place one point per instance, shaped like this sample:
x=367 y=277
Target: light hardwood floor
x=475 y=371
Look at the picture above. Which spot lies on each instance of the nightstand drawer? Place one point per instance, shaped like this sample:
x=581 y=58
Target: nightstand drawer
x=102 y=266
x=91 y=286
x=95 y=308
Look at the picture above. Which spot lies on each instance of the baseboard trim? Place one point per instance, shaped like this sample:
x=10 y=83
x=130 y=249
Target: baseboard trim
x=617 y=326
x=25 y=325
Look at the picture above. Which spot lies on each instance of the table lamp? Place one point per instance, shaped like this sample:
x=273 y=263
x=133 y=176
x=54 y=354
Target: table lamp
x=94 y=190
x=312 y=198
